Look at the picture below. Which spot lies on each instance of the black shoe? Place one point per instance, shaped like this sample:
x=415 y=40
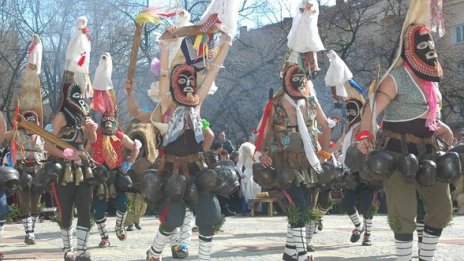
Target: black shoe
x=84 y=257
x=310 y=248
x=227 y=212
x=179 y=253
x=367 y=240
x=137 y=226
x=287 y=257
x=29 y=240
x=319 y=225
x=130 y=228
x=356 y=235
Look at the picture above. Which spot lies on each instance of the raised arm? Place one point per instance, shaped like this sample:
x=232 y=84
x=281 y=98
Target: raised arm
x=215 y=66
x=326 y=130
x=58 y=122
x=129 y=144
x=2 y=127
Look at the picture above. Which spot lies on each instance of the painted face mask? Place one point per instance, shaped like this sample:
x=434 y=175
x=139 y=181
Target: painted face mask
x=419 y=51
x=109 y=124
x=74 y=107
x=184 y=85
x=353 y=111
x=294 y=82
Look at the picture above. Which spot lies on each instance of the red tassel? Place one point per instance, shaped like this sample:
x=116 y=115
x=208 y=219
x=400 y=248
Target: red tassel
x=81 y=60
x=31 y=47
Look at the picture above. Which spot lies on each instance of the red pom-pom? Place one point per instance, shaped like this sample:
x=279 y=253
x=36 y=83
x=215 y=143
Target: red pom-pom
x=363 y=135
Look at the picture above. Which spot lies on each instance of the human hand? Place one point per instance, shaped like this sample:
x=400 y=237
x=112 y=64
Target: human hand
x=129 y=88
x=90 y=124
x=266 y=161
x=225 y=39
x=364 y=146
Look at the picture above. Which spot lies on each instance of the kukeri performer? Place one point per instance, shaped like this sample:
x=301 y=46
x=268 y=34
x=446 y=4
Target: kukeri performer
x=72 y=124
x=409 y=97
x=291 y=147
x=183 y=86
x=28 y=150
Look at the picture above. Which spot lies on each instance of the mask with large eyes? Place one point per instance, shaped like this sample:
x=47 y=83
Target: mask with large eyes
x=353 y=111
x=184 y=85
x=109 y=124
x=74 y=106
x=419 y=51
x=295 y=82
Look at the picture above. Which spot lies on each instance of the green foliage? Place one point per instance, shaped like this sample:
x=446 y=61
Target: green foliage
x=13 y=213
x=293 y=214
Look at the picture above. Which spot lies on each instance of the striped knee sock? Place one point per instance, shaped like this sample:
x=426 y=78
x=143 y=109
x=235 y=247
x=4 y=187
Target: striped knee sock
x=2 y=227
x=290 y=248
x=67 y=237
x=27 y=223
x=403 y=249
x=120 y=218
x=34 y=221
x=310 y=228
x=367 y=226
x=204 y=251
x=101 y=225
x=82 y=234
x=159 y=242
x=355 y=219
x=185 y=234
x=429 y=243
x=174 y=237
x=299 y=237
x=420 y=232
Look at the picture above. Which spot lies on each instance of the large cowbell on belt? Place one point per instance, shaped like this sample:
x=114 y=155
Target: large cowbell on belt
x=9 y=178
x=459 y=149
x=327 y=175
x=407 y=164
x=227 y=178
x=352 y=181
x=206 y=181
x=151 y=186
x=25 y=182
x=101 y=174
x=138 y=169
x=427 y=173
x=41 y=182
x=265 y=177
x=352 y=156
x=54 y=170
x=380 y=164
x=175 y=187
x=123 y=182
x=448 y=167
x=339 y=177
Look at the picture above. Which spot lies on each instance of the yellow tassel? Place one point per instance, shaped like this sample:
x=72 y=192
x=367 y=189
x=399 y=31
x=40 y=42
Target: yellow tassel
x=144 y=18
x=196 y=44
x=109 y=154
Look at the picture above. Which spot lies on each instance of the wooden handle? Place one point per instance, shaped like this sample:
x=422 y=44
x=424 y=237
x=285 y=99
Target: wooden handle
x=190 y=30
x=134 y=52
x=32 y=127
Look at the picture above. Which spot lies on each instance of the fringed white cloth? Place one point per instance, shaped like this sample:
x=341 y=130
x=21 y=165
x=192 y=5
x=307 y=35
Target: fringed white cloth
x=337 y=74
x=304 y=134
x=35 y=52
x=177 y=122
x=227 y=12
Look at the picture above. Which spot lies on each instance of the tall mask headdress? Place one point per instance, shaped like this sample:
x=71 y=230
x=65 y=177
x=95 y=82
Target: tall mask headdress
x=294 y=78
x=104 y=99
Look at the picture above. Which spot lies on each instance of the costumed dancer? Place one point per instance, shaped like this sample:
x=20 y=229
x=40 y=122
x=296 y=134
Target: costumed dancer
x=28 y=147
x=360 y=189
x=245 y=159
x=73 y=125
x=3 y=181
x=108 y=152
x=409 y=97
x=304 y=34
x=290 y=155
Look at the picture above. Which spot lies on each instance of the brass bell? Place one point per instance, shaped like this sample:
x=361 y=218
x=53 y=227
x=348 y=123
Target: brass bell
x=100 y=191
x=89 y=174
x=67 y=174
x=79 y=175
x=112 y=191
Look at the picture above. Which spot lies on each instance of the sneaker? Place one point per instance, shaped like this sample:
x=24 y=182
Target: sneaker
x=356 y=235
x=69 y=256
x=152 y=258
x=84 y=257
x=29 y=240
x=310 y=248
x=137 y=226
x=121 y=233
x=179 y=252
x=130 y=228
x=367 y=240
x=104 y=243
x=319 y=225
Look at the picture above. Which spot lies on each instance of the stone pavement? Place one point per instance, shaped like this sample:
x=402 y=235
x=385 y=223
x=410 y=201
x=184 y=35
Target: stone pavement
x=243 y=238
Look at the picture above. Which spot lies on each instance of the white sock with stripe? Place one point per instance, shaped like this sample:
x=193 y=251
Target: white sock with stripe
x=101 y=225
x=204 y=247
x=67 y=237
x=367 y=226
x=299 y=237
x=429 y=243
x=290 y=248
x=355 y=219
x=159 y=242
x=82 y=235
x=403 y=250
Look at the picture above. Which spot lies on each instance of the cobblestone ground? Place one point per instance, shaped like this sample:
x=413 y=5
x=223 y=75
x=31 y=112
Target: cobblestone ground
x=243 y=238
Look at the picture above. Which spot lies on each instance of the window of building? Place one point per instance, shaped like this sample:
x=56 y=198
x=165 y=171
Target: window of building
x=460 y=34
